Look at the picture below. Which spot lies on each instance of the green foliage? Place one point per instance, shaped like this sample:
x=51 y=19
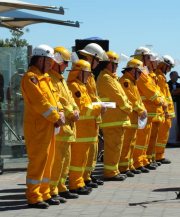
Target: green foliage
x=15 y=40
x=17 y=47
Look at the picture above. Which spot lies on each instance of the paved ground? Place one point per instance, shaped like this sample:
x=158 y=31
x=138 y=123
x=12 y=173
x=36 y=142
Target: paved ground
x=149 y=195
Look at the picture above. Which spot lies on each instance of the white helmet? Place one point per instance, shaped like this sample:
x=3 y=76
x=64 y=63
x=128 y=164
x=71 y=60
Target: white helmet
x=44 y=51
x=96 y=50
x=142 y=51
x=168 y=60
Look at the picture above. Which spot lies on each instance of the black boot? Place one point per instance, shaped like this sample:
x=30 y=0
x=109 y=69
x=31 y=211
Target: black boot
x=143 y=169
x=68 y=195
x=91 y=184
x=52 y=201
x=150 y=167
x=39 y=205
x=128 y=173
x=58 y=197
x=97 y=180
x=81 y=191
x=118 y=177
x=136 y=171
x=164 y=161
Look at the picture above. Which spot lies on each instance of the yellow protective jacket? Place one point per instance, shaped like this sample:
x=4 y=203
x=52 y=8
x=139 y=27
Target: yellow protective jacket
x=110 y=90
x=151 y=97
x=130 y=88
x=86 y=127
x=162 y=83
x=64 y=96
x=41 y=108
x=92 y=91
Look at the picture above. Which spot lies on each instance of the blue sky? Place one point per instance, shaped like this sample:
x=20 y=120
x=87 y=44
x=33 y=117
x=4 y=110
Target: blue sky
x=126 y=24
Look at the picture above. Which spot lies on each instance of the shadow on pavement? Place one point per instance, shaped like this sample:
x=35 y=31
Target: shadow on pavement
x=13 y=197
x=167 y=189
x=176 y=190
x=13 y=205
x=11 y=201
x=15 y=190
x=145 y=203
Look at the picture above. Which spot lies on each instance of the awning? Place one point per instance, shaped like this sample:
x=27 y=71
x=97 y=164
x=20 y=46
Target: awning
x=16 y=19
x=15 y=4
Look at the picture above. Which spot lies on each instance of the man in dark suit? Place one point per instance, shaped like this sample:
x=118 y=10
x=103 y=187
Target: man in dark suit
x=174 y=86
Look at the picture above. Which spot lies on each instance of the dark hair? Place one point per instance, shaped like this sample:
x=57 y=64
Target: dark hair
x=101 y=66
x=33 y=60
x=172 y=73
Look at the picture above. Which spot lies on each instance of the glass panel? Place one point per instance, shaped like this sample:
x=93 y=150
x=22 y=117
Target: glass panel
x=13 y=64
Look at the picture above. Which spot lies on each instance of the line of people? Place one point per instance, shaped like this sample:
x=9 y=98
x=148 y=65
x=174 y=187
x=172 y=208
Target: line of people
x=62 y=119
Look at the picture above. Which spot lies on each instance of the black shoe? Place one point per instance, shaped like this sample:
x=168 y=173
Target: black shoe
x=81 y=191
x=154 y=163
x=58 y=197
x=96 y=180
x=88 y=188
x=125 y=176
x=118 y=177
x=52 y=201
x=91 y=184
x=158 y=163
x=150 y=167
x=136 y=171
x=68 y=195
x=128 y=173
x=164 y=161
x=143 y=169
x=39 y=205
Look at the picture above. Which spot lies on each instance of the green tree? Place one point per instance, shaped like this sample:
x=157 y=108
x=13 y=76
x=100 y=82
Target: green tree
x=15 y=40
x=19 y=44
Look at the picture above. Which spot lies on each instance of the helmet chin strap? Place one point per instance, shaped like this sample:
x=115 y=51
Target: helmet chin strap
x=144 y=62
x=43 y=65
x=153 y=68
x=83 y=77
x=59 y=69
x=92 y=62
x=112 y=64
x=165 y=69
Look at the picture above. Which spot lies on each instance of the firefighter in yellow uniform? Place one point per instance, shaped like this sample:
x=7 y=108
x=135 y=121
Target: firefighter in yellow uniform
x=93 y=53
x=42 y=114
x=86 y=126
x=128 y=81
x=67 y=133
x=157 y=115
x=163 y=134
x=115 y=119
x=152 y=101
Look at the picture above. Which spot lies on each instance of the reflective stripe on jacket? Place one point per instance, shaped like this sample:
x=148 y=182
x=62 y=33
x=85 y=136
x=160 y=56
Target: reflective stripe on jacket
x=110 y=89
x=131 y=91
x=64 y=96
x=86 y=127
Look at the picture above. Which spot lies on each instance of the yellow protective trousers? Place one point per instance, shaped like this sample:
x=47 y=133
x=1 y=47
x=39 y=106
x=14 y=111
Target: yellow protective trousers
x=60 y=167
x=113 y=142
x=39 y=169
x=79 y=157
x=162 y=139
x=91 y=161
x=142 y=141
x=151 y=151
x=126 y=158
